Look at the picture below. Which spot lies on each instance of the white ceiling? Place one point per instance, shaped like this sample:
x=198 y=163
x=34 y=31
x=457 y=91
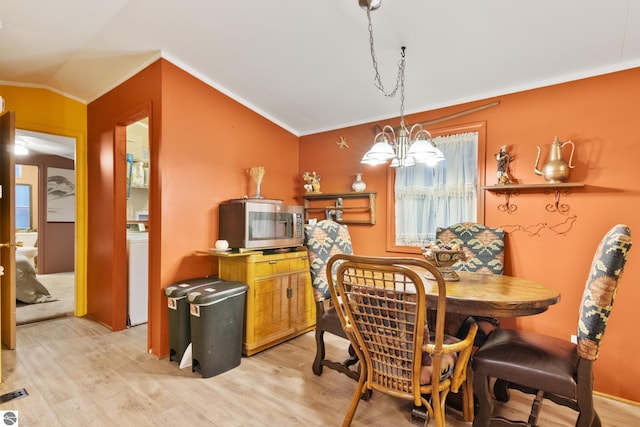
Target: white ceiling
x=43 y=143
x=306 y=64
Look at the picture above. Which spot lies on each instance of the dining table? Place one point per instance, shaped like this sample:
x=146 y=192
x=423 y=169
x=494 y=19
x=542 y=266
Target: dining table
x=491 y=295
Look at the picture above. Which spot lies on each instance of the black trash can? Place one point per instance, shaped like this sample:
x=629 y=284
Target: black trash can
x=178 y=308
x=217 y=324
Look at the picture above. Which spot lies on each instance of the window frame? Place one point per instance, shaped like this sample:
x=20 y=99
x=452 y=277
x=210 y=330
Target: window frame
x=21 y=207
x=480 y=128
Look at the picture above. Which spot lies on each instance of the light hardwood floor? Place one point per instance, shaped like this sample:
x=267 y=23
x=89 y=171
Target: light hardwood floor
x=79 y=373
x=62 y=287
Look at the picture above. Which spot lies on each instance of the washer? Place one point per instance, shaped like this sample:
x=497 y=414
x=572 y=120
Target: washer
x=138 y=278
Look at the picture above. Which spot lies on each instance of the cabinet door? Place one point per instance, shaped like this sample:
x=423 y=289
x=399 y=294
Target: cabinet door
x=301 y=301
x=271 y=307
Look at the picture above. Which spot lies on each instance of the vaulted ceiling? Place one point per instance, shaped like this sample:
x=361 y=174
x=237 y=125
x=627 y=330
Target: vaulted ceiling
x=306 y=65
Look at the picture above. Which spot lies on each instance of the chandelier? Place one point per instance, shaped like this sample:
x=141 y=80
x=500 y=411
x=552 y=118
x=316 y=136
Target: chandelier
x=404 y=146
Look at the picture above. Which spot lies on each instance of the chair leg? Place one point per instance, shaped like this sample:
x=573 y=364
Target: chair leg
x=468 y=410
x=355 y=399
x=419 y=415
x=353 y=357
x=501 y=390
x=535 y=408
x=587 y=415
x=320 y=352
x=481 y=388
x=437 y=405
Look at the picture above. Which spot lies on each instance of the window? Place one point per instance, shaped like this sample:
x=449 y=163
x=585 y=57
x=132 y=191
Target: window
x=422 y=198
x=23 y=206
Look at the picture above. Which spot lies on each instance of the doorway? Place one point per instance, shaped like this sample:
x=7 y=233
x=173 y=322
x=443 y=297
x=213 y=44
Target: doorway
x=45 y=225
x=137 y=214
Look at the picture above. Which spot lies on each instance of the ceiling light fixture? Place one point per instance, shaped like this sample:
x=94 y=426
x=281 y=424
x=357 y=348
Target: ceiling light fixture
x=409 y=146
x=20 y=150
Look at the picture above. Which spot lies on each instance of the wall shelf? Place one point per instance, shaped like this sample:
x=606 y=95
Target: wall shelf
x=346 y=208
x=562 y=188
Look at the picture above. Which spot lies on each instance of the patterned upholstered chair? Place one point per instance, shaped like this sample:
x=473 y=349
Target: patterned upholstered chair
x=550 y=367
x=483 y=246
x=323 y=240
x=484 y=250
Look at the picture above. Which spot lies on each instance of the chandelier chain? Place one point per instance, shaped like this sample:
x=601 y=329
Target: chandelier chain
x=402 y=146
x=378 y=80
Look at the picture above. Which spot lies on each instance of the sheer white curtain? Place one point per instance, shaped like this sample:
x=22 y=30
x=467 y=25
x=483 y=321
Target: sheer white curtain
x=429 y=197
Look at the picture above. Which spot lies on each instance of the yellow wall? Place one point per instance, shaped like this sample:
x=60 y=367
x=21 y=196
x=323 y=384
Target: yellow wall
x=41 y=110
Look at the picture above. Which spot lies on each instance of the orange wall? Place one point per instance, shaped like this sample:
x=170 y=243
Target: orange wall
x=202 y=143
x=106 y=246
x=599 y=115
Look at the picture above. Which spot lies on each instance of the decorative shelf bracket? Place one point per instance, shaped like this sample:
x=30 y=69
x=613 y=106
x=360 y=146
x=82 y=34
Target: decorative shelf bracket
x=507 y=206
x=557 y=206
x=515 y=189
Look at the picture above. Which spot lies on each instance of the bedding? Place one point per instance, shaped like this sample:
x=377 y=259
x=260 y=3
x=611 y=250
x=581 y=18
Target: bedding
x=28 y=288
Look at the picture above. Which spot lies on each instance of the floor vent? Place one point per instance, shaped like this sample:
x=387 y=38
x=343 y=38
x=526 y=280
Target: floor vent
x=13 y=395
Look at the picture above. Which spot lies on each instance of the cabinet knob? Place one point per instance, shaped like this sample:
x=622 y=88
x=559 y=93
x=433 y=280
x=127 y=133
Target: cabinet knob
x=273 y=261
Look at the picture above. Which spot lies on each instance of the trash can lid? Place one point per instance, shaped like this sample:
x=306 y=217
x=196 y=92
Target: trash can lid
x=216 y=292
x=182 y=288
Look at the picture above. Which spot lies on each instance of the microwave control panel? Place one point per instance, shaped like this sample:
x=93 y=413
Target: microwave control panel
x=299 y=224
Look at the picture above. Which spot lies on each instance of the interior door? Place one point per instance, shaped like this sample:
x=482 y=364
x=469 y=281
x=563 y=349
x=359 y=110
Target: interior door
x=7 y=231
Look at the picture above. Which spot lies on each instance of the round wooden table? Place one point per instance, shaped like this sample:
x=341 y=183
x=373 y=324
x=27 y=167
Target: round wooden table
x=494 y=295
x=488 y=295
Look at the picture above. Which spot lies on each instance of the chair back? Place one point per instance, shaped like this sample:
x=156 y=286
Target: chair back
x=383 y=309
x=601 y=288
x=483 y=246
x=323 y=240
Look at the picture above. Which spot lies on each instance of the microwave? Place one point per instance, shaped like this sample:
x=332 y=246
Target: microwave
x=260 y=224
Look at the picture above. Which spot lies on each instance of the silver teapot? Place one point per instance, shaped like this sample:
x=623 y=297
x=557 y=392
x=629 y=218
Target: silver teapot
x=556 y=170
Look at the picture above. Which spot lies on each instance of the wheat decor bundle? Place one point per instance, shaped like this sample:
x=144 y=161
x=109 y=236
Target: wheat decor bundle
x=257 y=173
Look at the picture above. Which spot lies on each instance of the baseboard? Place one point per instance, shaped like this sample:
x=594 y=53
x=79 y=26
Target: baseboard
x=617 y=398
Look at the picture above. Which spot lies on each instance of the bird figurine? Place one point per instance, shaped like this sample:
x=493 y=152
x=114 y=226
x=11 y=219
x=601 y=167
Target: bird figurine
x=342 y=143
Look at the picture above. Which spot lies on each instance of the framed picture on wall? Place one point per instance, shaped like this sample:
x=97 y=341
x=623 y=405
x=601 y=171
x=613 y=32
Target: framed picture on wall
x=61 y=195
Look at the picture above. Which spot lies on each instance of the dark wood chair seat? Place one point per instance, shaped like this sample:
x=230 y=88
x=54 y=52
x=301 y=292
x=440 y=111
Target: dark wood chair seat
x=530 y=359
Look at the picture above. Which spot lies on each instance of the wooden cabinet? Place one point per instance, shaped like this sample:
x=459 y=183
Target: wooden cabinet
x=280 y=301
x=346 y=208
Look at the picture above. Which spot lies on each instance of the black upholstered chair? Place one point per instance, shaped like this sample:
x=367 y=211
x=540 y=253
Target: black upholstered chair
x=484 y=253
x=323 y=240
x=549 y=367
